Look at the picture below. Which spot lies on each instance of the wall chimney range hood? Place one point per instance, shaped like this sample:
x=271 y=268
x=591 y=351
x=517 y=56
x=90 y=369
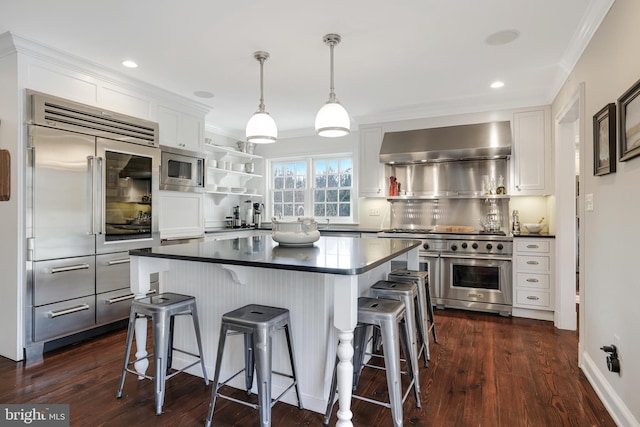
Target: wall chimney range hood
x=445 y=144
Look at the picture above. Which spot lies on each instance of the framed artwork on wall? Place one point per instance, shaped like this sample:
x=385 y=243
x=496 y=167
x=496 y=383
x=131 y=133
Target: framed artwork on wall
x=604 y=140
x=629 y=123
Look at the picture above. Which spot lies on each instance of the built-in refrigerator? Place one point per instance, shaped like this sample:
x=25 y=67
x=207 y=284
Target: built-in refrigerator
x=92 y=181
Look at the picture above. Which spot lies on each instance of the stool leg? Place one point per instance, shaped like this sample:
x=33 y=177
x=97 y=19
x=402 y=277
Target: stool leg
x=332 y=393
x=170 y=345
x=196 y=328
x=359 y=347
x=390 y=336
x=413 y=328
x=294 y=371
x=422 y=319
x=404 y=340
x=161 y=351
x=127 y=352
x=249 y=362
x=262 y=355
x=216 y=375
x=430 y=313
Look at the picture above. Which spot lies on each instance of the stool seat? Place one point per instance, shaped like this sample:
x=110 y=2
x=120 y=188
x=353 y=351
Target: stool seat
x=257 y=323
x=162 y=309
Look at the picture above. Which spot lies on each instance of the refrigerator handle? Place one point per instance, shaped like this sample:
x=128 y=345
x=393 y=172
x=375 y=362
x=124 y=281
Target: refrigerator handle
x=100 y=187
x=92 y=170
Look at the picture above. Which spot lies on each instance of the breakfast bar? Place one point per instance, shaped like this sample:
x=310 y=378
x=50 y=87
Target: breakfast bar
x=319 y=284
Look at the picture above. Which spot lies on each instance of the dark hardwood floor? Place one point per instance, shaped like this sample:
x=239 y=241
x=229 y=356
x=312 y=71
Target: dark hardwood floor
x=486 y=370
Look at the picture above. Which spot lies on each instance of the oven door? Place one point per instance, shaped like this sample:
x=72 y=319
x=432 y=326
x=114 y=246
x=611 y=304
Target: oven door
x=477 y=282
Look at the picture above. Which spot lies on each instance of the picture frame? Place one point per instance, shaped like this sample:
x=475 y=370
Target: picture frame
x=604 y=140
x=629 y=122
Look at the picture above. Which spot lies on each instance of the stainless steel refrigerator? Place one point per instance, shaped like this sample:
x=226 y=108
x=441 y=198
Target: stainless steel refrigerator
x=92 y=179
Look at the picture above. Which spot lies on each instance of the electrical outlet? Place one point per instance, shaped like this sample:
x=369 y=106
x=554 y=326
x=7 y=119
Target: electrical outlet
x=588 y=202
x=374 y=212
x=616 y=342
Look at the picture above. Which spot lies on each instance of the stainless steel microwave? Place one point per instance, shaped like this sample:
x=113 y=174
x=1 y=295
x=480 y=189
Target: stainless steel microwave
x=181 y=170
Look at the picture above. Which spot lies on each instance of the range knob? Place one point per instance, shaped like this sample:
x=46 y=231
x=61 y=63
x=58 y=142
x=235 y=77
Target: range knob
x=426 y=246
x=474 y=246
x=489 y=246
x=464 y=245
x=454 y=248
x=500 y=247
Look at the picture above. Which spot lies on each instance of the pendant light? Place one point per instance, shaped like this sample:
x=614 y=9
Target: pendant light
x=332 y=120
x=261 y=129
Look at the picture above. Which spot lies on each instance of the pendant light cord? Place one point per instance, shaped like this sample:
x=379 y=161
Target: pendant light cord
x=332 y=93
x=261 y=106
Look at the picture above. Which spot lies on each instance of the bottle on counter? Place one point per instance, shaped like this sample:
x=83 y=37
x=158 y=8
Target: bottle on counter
x=515 y=228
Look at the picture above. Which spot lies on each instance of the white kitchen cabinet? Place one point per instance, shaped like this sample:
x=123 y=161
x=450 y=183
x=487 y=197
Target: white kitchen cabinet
x=371 y=175
x=531 y=160
x=179 y=129
x=533 y=277
x=181 y=214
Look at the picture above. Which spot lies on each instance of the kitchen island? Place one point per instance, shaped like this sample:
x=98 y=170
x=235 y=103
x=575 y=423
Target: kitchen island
x=319 y=285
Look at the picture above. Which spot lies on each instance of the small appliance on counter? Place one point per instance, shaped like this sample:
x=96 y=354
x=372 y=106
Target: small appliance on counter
x=257 y=215
x=237 y=222
x=248 y=215
x=515 y=228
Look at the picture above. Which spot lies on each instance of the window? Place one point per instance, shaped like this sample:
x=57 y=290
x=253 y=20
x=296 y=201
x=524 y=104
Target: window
x=321 y=187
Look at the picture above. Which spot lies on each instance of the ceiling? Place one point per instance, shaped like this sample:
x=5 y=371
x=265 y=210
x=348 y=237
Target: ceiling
x=397 y=60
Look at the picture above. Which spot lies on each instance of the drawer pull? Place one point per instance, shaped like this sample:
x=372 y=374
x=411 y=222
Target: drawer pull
x=535 y=298
x=532 y=246
x=119 y=261
x=126 y=297
x=58 y=313
x=69 y=268
x=533 y=262
x=531 y=279
x=119 y=299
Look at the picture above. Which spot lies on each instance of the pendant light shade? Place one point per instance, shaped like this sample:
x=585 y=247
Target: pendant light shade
x=332 y=120
x=261 y=128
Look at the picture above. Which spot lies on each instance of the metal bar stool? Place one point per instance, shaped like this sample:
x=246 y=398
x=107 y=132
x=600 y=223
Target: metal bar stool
x=162 y=309
x=389 y=316
x=407 y=293
x=257 y=323
x=421 y=278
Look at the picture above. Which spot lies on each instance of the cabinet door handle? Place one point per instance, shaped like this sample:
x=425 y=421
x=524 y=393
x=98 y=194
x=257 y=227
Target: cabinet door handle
x=119 y=261
x=532 y=280
x=64 y=311
x=533 y=297
x=532 y=246
x=69 y=268
x=533 y=262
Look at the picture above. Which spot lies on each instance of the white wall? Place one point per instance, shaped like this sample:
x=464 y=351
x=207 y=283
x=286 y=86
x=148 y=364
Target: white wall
x=610 y=287
x=10 y=223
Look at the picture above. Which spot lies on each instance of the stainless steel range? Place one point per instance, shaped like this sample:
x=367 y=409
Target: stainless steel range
x=466 y=270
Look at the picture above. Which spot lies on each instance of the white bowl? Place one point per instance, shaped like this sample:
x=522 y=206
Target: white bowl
x=237 y=167
x=534 y=228
x=303 y=232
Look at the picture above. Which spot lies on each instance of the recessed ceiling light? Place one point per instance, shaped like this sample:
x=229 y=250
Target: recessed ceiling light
x=497 y=85
x=129 y=64
x=502 y=37
x=203 y=94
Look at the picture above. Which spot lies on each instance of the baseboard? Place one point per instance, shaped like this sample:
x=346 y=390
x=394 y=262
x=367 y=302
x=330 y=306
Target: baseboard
x=616 y=407
x=532 y=314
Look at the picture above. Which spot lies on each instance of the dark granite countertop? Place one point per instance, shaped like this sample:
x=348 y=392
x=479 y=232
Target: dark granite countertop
x=321 y=227
x=333 y=255
x=538 y=235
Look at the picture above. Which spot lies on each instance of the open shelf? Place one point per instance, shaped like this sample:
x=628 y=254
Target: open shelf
x=230 y=151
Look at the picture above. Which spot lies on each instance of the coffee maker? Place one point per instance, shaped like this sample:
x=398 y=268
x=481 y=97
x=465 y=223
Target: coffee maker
x=257 y=214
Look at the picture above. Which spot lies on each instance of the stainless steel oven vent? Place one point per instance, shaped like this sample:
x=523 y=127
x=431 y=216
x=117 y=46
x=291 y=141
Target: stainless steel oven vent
x=50 y=111
x=464 y=142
